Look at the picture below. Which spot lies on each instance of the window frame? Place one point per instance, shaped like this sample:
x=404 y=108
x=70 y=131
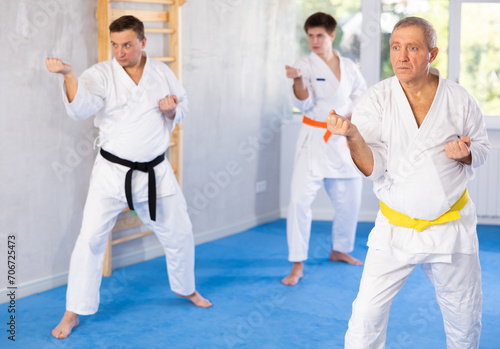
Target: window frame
x=370 y=53
x=492 y=121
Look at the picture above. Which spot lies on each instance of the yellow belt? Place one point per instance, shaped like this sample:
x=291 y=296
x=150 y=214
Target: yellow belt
x=398 y=218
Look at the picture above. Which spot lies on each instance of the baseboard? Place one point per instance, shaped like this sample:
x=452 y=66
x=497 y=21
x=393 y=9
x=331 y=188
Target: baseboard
x=488 y=220
x=218 y=233
x=49 y=282
x=36 y=286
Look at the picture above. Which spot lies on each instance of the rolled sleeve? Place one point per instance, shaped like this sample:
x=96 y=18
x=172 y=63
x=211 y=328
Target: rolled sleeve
x=307 y=104
x=367 y=117
x=178 y=90
x=303 y=105
x=89 y=98
x=476 y=130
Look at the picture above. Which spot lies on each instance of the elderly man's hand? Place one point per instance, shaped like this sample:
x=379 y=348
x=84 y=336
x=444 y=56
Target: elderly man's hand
x=339 y=125
x=459 y=150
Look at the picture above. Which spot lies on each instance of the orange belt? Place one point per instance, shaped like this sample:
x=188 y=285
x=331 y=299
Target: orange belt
x=320 y=124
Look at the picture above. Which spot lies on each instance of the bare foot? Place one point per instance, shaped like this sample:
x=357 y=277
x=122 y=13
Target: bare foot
x=295 y=275
x=197 y=299
x=344 y=257
x=68 y=322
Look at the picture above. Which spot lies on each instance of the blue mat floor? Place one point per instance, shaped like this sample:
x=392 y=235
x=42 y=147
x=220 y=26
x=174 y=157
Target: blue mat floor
x=241 y=275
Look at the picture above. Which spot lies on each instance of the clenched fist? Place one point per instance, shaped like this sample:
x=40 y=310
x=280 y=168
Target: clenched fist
x=339 y=125
x=459 y=150
x=167 y=105
x=55 y=65
x=293 y=73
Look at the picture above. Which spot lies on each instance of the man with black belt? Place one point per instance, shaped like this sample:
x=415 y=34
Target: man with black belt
x=136 y=101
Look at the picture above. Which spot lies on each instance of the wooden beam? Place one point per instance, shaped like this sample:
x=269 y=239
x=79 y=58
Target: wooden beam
x=106 y=265
x=175 y=48
x=127 y=222
x=162 y=2
x=176 y=156
x=160 y=30
x=131 y=237
x=102 y=15
x=143 y=15
x=165 y=59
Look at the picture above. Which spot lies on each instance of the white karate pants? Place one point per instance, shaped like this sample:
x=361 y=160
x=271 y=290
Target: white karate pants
x=458 y=293
x=172 y=227
x=345 y=194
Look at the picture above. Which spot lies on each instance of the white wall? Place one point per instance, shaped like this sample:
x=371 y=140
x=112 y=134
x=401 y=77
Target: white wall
x=233 y=54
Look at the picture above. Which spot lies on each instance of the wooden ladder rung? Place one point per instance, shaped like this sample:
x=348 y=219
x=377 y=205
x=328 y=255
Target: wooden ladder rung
x=127 y=222
x=143 y=15
x=160 y=30
x=162 y=2
x=164 y=59
x=131 y=237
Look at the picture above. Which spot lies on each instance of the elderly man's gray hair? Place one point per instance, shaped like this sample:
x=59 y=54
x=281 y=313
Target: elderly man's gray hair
x=429 y=32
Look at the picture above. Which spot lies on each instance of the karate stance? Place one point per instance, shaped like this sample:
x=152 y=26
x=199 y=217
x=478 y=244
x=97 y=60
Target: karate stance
x=137 y=101
x=320 y=82
x=418 y=137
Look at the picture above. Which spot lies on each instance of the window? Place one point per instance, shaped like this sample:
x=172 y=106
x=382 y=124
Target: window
x=480 y=54
x=467 y=31
x=435 y=11
x=348 y=17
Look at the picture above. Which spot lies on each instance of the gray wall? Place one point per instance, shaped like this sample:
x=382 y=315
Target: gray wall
x=46 y=157
x=233 y=54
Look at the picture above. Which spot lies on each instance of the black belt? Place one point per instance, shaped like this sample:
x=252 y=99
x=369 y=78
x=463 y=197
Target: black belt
x=140 y=166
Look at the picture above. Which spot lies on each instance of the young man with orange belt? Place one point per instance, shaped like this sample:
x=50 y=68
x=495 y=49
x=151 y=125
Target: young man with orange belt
x=322 y=81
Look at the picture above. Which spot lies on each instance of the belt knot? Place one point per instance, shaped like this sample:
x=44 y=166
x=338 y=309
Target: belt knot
x=398 y=218
x=139 y=166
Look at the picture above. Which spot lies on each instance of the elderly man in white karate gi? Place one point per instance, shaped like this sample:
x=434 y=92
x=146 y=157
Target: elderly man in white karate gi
x=319 y=82
x=136 y=101
x=418 y=137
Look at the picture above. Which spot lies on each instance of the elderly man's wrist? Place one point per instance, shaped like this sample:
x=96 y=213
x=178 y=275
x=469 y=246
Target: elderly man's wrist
x=170 y=114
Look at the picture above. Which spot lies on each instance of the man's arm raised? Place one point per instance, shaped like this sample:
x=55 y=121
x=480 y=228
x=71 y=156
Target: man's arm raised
x=360 y=151
x=55 y=65
x=299 y=85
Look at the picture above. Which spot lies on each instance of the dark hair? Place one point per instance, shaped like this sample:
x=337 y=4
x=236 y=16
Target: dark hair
x=429 y=32
x=128 y=22
x=320 y=19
